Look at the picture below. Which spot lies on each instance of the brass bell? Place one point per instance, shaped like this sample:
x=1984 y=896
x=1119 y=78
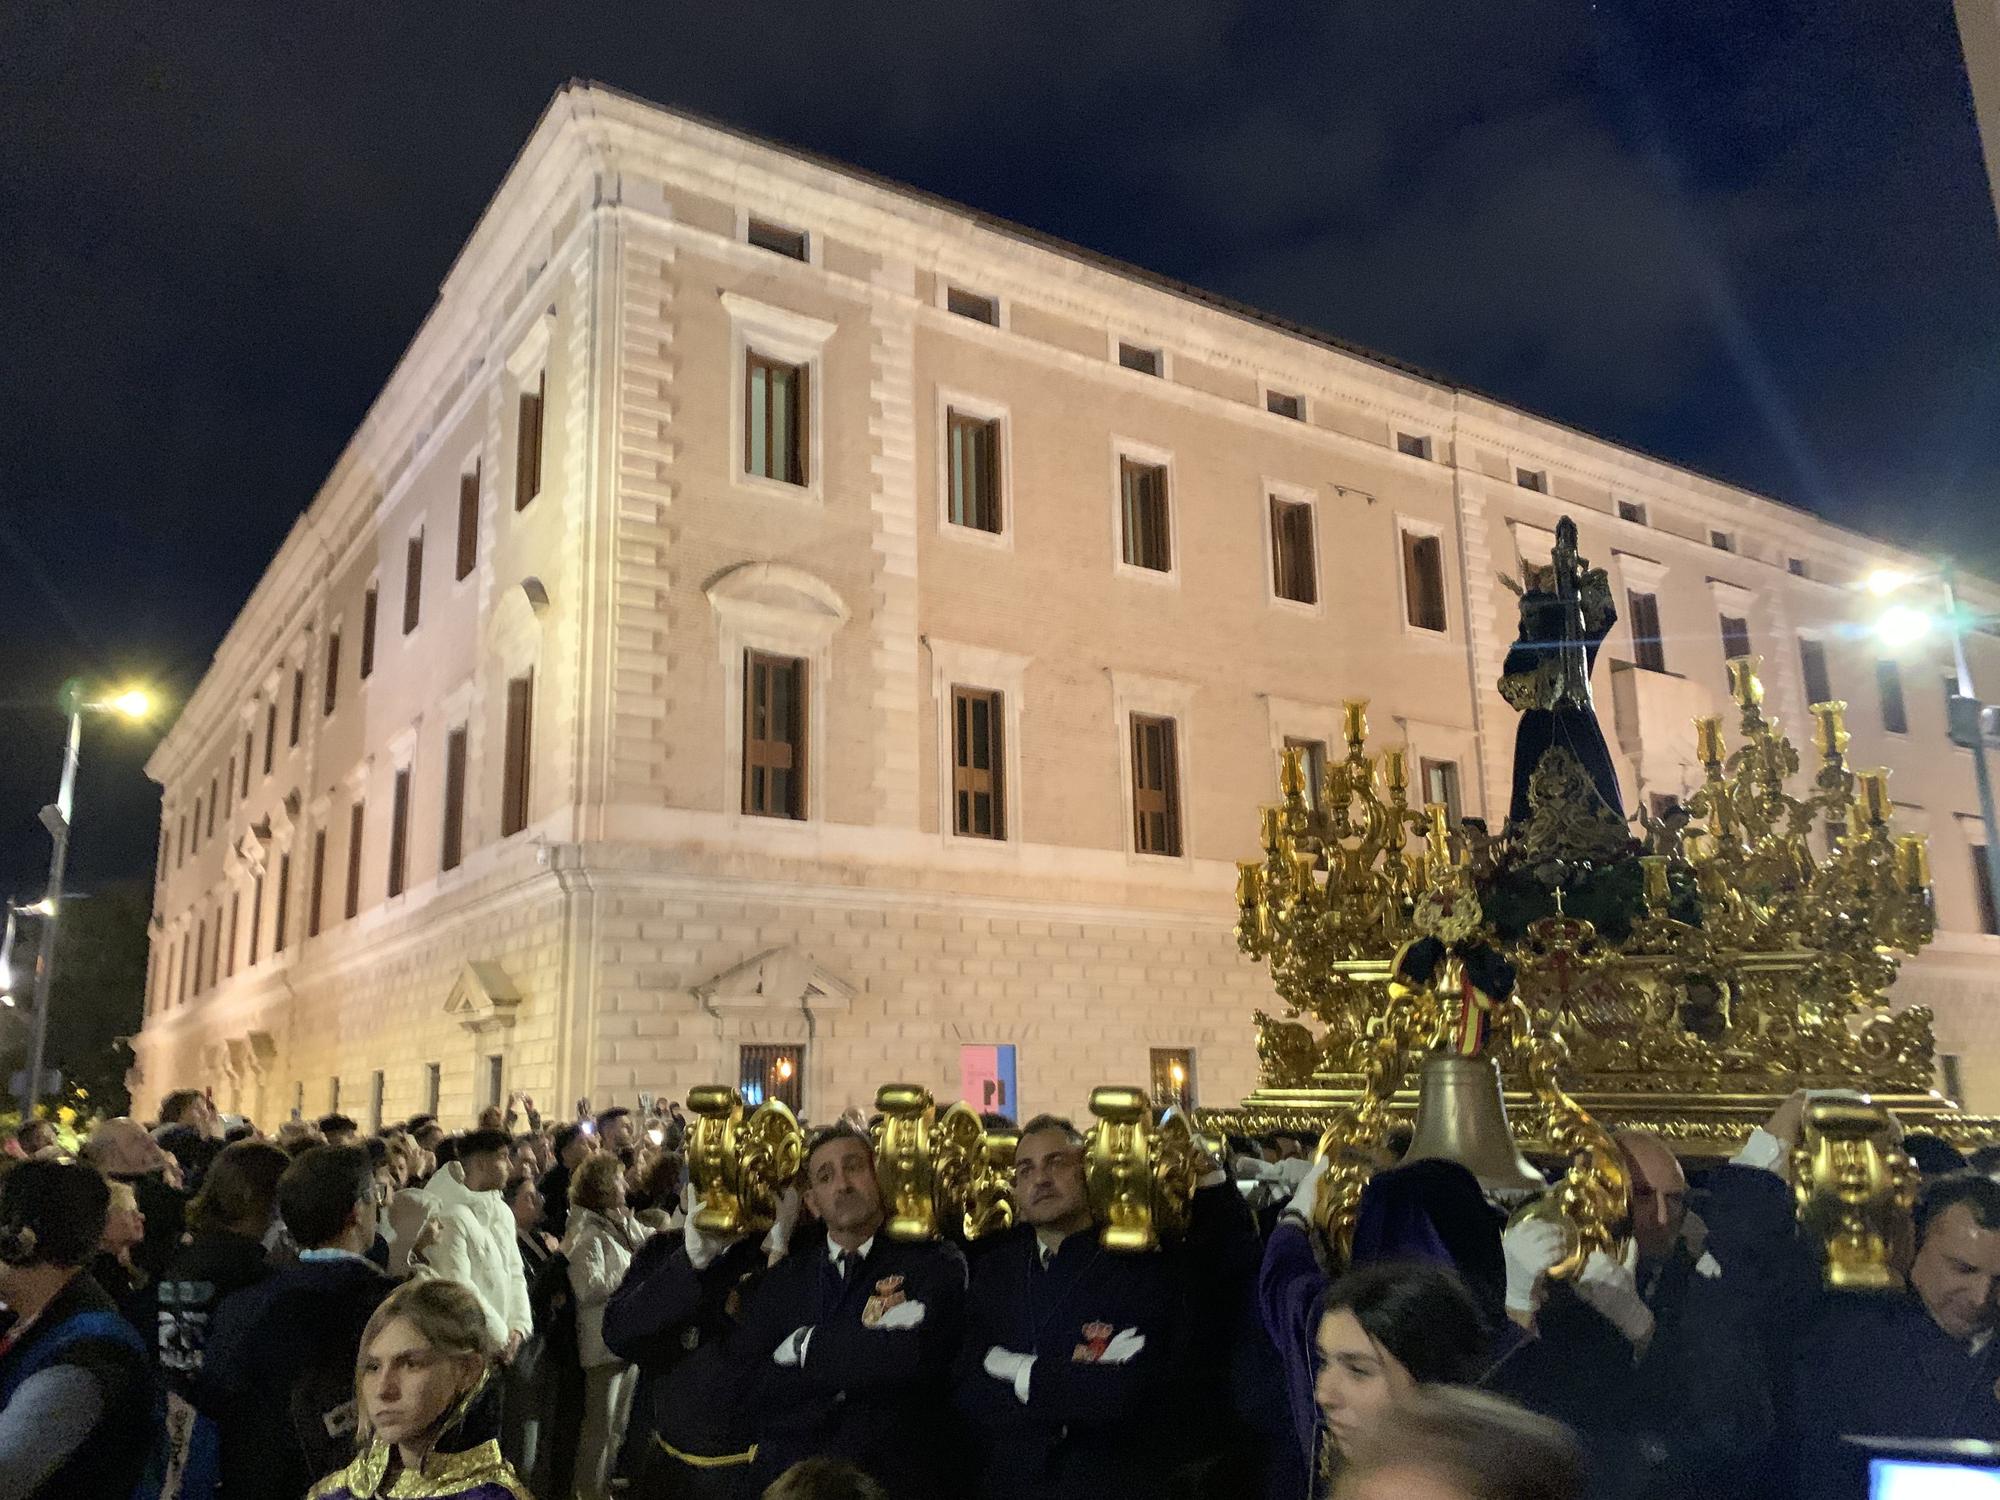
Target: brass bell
x=1461 y=1117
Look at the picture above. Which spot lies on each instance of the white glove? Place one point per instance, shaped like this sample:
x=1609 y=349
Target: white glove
x=1126 y=1343
x=902 y=1315
x=1307 y=1195
x=1530 y=1248
x=1288 y=1173
x=1015 y=1369
x=779 y=1239
x=1612 y=1288
x=792 y=1352
x=702 y=1247
x=1764 y=1151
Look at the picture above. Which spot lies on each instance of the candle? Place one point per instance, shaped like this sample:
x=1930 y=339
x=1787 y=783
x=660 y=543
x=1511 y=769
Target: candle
x=1830 y=728
x=1249 y=882
x=1302 y=875
x=1654 y=869
x=1291 y=771
x=1743 y=681
x=1874 y=796
x=1708 y=740
x=1913 y=861
x=1396 y=771
x=1268 y=825
x=1354 y=720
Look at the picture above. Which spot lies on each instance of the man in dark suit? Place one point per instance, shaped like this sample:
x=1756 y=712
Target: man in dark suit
x=853 y=1336
x=1069 y=1352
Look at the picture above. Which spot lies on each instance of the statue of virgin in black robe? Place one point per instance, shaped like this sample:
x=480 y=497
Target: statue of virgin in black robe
x=1566 y=611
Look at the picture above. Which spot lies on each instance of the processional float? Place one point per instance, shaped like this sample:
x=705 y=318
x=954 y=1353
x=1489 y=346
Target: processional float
x=1685 y=975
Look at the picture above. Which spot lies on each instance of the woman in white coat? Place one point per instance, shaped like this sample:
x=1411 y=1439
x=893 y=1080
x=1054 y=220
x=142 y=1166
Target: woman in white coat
x=601 y=1237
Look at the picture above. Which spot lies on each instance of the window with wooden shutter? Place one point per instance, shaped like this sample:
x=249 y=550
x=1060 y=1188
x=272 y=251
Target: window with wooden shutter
x=978 y=773
x=1143 y=519
x=468 y=522
x=413 y=582
x=528 y=442
x=774 y=736
x=352 y=904
x=1812 y=664
x=330 y=696
x=368 y=612
x=1735 y=637
x=399 y=833
x=517 y=764
x=1294 y=573
x=1423 y=580
x=453 y=843
x=973 y=463
x=1156 y=811
x=1649 y=649
x=316 y=898
x=774 y=419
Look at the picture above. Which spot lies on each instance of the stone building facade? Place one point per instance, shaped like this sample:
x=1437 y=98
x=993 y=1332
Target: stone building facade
x=777 y=627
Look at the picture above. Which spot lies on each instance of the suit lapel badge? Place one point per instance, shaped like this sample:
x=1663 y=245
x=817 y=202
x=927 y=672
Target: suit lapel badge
x=888 y=1292
x=1096 y=1336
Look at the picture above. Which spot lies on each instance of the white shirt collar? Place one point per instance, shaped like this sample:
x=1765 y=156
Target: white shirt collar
x=834 y=1252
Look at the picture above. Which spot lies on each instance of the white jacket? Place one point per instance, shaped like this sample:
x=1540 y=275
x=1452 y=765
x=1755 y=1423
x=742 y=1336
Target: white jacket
x=599 y=1247
x=475 y=1245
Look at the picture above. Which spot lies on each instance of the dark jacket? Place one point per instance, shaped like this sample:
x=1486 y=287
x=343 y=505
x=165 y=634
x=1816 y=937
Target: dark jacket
x=82 y=1328
x=280 y=1354
x=194 y=1151
x=879 y=1398
x=680 y=1327
x=209 y=1268
x=165 y=1209
x=554 y=1188
x=1090 y=1427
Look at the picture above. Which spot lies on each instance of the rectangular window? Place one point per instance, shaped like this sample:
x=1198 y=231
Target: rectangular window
x=1735 y=637
x=433 y=1086
x=1138 y=357
x=186 y=951
x=399 y=832
x=1633 y=511
x=771 y=1072
x=978 y=773
x=214 y=784
x=316 y=897
x=1143 y=520
x=496 y=1078
x=1722 y=541
x=194 y=839
x=1413 y=445
x=973 y=461
x=774 y=419
x=1796 y=566
x=249 y=740
x=1812 y=665
x=413 y=582
x=778 y=239
x=270 y=735
x=516 y=763
x=235 y=908
x=1156 y=809
x=229 y=788
x=468 y=523
x=330 y=697
x=527 y=445
x=256 y=918
x=1441 y=787
x=215 y=951
x=368 y=613
x=298 y=706
x=1889 y=684
x=181 y=843
x=774 y=736
x=1173 y=1077
x=200 y=951
x=1982 y=887
x=1423 y=580
x=1284 y=404
x=352 y=903
x=1649 y=650
x=1294 y=565
x=452 y=846
x=333 y=1096
x=375 y=1090
x=283 y=908
x=972 y=305
x=1312 y=761
x=1533 y=479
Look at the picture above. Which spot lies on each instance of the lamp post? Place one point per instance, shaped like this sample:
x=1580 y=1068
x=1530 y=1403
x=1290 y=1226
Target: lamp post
x=1902 y=624
x=134 y=704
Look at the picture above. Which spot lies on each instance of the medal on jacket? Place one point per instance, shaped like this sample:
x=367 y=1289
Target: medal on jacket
x=888 y=1292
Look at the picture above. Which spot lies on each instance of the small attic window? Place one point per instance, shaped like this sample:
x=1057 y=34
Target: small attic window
x=777 y=239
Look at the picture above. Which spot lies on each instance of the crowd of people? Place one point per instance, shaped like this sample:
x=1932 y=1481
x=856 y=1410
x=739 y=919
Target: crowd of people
x=529 y=1308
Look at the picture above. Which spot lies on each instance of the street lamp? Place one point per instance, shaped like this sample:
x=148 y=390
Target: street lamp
x=1902 y=625
x=134 y=704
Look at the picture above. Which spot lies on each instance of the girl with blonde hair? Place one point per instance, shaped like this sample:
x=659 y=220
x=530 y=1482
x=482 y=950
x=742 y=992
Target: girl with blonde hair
x=425 y=1357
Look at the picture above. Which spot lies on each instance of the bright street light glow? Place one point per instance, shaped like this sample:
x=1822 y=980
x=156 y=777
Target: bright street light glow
x=1903 y=626
x=41 y=908
x=1884 y=581
x=133 y=703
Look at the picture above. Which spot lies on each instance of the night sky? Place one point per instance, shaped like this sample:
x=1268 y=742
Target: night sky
x=1755 y=239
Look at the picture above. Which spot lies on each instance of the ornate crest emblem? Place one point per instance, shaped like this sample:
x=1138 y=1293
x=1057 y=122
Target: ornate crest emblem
x=888 y=1292
x=1096 y=1337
